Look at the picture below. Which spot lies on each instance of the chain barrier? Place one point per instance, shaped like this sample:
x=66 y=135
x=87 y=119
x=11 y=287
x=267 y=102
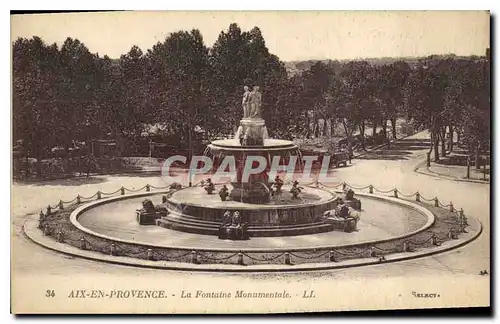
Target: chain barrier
x=264 y=258
x=358 y=188
x=110 y=193
x=136 y=190
x=311 y=257
x=158 y=188
x=113 y=249
x=216 y=259
x=70 y=201
x=87 y=198
x=383 y=191
x=354 y=253
x=406 y=196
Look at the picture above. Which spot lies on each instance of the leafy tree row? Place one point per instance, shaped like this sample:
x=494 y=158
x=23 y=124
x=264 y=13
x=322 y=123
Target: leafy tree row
x=65 y=94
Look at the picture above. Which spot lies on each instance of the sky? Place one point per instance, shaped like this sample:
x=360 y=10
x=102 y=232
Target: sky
x=291 y=35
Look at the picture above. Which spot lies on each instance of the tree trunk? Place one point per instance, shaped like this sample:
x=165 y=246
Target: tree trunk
x=332 y=127
x=450 y=143
x=478 y=157
x=362 y=133
x=393 y=123
x=436 y=146
x=374 y=125
x=443 y=141
x=348 y=133
x=384 y=128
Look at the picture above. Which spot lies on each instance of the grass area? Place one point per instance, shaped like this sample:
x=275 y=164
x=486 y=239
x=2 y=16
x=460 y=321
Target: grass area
x=58 y=222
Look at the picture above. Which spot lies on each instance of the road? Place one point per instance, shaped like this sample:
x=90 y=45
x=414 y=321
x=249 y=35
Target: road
x=384 y=169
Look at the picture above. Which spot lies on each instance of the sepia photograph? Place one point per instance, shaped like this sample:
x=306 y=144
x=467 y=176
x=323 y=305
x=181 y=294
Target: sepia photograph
x=250 y=162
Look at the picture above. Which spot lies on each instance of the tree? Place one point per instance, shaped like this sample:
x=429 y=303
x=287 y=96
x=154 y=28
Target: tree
x=35 y=80
x=181 y=65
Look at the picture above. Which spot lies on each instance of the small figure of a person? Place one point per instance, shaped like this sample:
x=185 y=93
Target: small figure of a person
x=210 y=187
x=223 y=193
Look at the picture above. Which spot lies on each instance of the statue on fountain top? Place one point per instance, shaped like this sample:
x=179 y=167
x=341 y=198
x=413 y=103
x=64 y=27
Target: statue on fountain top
x=246 y=103
x=251 y=103
x=255 y=99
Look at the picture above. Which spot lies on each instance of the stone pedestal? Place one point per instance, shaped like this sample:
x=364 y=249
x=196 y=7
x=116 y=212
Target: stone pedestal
x=254 y=131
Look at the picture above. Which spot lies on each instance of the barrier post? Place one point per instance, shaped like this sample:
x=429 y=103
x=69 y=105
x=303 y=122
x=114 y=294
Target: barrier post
x=149 y=254
x=122 y=191
x=332 y=256
x=434 y=239
x=112 y=250
x=60 y=237
x=395 y=193
x=49 y=209
x=61 y=206
x=83 y=243
x=148 y=188
x=436 y=202
x=99 y=195
x=417 y=196
x=287 y=258
x=406 y=246
x=240 y=258
x=451 y=207
x=371 y=189
x=194 y=257
x=78 y=199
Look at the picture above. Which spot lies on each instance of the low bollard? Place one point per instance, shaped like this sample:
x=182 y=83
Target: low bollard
x=60 y=237
x=287 y=258
x=98 y=195
x=436 y=202
x=112 y=249
x=49 y=209
x=78 y=199
x=434 y=239
x=371 y=189
x=149 y=254
x=122 y=191
x=163 y=199
x=61 y=206
x=451 y=207
x=332 y=256
x=406 y=246
x=344 y=185
x=395 y=193
x=240 y=258
x=83 y=243
x=417 y=196
x=148 y=188
x=194 y=257
x=373 y=253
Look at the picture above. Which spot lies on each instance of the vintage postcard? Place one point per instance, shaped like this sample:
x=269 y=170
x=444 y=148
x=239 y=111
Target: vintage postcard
x=250 y=162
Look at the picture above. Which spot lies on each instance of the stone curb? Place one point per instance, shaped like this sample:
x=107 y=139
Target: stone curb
x=420 y=169
x=78 y=211
x=31 y=230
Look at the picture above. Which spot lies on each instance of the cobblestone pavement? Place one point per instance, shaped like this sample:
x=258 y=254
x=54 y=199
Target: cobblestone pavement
x=392 y=169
